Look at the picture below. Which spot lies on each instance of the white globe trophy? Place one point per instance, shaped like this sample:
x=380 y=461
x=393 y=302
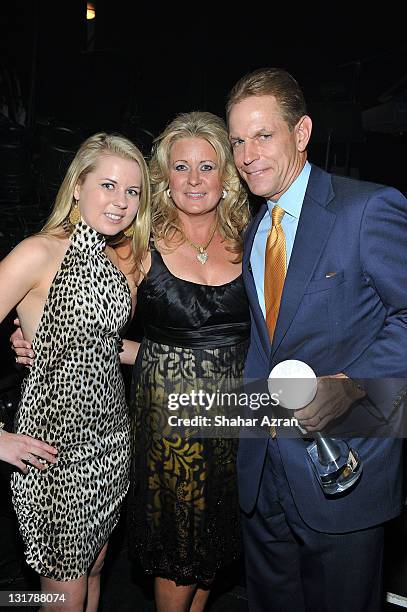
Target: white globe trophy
x=336 y=465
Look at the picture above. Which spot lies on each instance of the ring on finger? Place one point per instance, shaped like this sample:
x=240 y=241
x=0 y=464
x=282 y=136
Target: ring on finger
x=30 y=457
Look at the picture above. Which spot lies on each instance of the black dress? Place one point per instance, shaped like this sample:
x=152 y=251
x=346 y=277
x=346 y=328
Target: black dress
x=183 y=504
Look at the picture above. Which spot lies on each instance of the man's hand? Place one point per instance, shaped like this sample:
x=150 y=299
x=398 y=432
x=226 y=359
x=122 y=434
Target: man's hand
x=22 y=348
x=20 y=450
x=335 y=395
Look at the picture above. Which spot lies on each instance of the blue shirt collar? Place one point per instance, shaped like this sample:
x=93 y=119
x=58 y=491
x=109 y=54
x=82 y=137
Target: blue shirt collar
x=291 y=201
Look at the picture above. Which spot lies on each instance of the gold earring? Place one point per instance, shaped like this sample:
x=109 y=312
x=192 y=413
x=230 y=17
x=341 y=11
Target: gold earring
x=129 y=231
x=168 y=192
x=75 y=214
x=224 y=194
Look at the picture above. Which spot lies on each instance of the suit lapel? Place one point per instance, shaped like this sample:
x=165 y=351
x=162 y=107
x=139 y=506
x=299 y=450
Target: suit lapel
x=315 y=225
x=250 y=284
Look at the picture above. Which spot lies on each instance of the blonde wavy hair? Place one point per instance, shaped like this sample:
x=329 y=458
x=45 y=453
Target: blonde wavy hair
x=83 y=163
x=232 y=211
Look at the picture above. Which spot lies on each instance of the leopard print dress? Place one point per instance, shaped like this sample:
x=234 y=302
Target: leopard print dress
x=74 y=399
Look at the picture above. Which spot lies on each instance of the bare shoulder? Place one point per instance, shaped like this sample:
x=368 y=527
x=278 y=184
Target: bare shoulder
x=122 y=263
x=123 y=260
x=122 y=257
x=27 y=270
x=112 y=255
x=38 y=250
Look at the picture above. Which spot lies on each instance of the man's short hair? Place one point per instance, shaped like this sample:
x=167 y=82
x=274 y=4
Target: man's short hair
x=271 y=82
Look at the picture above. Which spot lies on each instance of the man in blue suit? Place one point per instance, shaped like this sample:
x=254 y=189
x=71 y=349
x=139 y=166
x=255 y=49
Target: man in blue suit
x=343 y=311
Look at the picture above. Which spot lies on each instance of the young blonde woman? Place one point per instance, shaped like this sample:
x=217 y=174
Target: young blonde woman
x=72 y=302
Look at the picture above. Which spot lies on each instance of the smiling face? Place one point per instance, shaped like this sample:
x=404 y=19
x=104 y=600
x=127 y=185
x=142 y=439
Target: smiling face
x=109 y=196
x=268 y=154
x=194 y=176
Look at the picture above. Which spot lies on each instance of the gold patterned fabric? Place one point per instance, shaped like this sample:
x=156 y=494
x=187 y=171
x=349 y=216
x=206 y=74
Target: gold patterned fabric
x=183 y=505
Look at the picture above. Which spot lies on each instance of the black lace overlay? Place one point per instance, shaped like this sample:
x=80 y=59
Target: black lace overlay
x=183 y=505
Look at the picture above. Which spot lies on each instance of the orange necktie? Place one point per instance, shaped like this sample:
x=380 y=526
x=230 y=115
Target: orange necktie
x=275 y=269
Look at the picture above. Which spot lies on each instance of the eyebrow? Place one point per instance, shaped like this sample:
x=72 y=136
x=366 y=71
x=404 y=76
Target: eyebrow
x=261 y=130
x=176 y=161
x=106 y=178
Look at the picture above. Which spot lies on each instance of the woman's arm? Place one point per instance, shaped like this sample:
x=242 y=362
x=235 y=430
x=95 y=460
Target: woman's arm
x=21 y=271
x=129 y=353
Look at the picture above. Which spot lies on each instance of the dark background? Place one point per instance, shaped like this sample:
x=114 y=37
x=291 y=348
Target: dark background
x=139 y=63
x=131 y=70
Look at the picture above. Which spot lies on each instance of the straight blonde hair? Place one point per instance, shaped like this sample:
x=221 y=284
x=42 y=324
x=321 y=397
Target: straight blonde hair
x=84 y=162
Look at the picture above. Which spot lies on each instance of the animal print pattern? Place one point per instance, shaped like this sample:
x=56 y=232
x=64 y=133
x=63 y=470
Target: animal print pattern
x=74 y=398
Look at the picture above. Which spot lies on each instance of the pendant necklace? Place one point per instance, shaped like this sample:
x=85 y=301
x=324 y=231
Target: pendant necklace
x=202 y=255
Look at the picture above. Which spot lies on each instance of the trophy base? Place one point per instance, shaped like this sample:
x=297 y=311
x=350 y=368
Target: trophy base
x=340 y=474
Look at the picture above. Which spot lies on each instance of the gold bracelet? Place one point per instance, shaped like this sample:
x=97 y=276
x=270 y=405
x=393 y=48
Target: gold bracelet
x=1 y=428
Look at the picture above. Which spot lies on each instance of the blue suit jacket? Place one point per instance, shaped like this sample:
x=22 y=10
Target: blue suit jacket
x=353 y=322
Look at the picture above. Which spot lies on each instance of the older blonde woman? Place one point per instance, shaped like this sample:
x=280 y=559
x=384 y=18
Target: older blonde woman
x=184 y=517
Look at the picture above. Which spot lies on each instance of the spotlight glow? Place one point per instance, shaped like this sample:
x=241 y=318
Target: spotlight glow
x=90 y=11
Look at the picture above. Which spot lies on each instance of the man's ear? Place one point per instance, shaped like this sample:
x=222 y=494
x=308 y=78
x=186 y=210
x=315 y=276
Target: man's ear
x=303 y=131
